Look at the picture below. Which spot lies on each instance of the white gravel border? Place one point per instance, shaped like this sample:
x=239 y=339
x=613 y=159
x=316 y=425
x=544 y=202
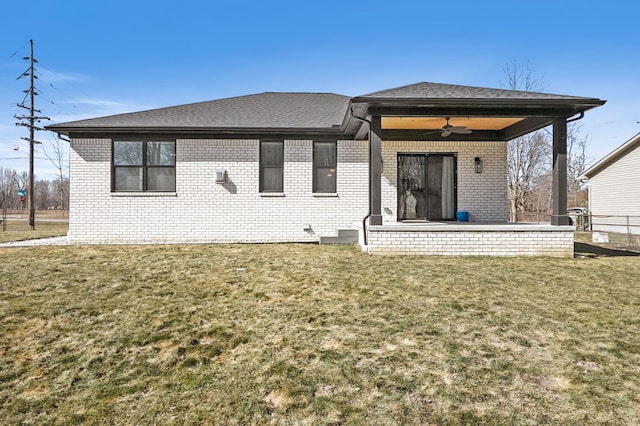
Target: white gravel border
x=53 y=241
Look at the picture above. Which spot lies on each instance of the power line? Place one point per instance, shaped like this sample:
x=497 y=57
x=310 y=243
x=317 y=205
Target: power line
x=17 y=158
x=61 y=78
x=68 y=105
x=19 y=49
x=21 y=158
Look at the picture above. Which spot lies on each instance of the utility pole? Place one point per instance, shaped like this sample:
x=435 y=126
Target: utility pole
x=31 y=124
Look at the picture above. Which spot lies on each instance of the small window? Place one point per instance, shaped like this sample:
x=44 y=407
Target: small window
x=324 y=167
x=144 y=166
x=271 y=166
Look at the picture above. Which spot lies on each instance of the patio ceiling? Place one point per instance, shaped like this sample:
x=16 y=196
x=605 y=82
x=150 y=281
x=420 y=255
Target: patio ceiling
x=482 y=128
x=430 y=128
x=436 y=123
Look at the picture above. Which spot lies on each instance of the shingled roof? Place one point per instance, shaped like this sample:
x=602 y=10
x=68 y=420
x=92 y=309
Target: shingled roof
x=332 y=115
x=267 y=110
x=425 y=90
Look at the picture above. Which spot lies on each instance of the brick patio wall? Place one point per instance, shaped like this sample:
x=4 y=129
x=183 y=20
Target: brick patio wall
x=552 y=241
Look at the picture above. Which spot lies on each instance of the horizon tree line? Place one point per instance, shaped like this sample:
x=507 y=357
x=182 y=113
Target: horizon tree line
x=48 y=194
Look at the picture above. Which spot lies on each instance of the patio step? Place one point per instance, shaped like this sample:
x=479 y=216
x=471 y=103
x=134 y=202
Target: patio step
x=345 y=236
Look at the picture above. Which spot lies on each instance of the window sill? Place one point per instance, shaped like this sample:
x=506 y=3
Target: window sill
x=144 y=194
x=325 y=195
x=272 y=194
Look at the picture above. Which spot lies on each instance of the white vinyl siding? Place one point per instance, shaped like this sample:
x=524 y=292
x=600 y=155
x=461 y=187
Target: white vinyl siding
x=616 y=189
x=614 y=193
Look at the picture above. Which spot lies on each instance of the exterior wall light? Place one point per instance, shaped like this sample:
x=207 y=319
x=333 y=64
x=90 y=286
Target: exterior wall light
x=221 y=176
x=478 y=165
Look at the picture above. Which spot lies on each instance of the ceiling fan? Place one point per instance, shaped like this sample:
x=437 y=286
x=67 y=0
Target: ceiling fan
x=448 y=129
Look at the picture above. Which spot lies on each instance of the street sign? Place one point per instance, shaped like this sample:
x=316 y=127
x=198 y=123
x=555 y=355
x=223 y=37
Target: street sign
x=22 y=193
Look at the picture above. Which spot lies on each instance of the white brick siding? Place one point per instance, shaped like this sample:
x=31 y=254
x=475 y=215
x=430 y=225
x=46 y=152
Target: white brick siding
x=483 y=195
x=512 y=240
x=202 y=210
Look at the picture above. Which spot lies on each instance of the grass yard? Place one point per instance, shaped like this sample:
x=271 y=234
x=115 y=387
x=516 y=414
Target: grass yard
x=308 y=334
x=20 y=230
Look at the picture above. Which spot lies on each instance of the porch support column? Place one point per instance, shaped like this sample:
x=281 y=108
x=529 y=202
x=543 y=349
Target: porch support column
x=559 y=186
x=375 y=170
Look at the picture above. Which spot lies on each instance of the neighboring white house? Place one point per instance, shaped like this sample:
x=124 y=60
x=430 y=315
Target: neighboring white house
x=393 y=167
x=614 y=190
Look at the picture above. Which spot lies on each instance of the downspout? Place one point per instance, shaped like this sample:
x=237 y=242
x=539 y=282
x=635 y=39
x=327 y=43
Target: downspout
x=580 y=117
x=364 y=221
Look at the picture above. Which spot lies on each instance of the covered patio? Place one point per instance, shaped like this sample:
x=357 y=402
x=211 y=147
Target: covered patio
x=437 y=121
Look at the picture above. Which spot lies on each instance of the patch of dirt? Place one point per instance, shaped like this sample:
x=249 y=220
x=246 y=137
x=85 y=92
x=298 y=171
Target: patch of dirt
x=588 y=365
x=324 y=390
x=594 y=250
x=35 y=393
x=278 y=399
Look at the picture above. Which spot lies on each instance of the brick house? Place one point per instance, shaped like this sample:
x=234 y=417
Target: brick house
x=391 y=168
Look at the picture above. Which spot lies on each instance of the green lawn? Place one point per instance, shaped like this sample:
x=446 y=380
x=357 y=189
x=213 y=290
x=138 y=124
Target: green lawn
x=308 y=334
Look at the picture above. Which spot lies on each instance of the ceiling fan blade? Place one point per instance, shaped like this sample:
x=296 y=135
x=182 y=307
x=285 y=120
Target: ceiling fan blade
x=431 y=132
x=460 y=130
x=445 y=133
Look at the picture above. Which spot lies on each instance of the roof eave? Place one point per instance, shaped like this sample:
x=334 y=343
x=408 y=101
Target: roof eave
x=438 y=102
x=476 y=107
x=201 y=131
x=611 y=157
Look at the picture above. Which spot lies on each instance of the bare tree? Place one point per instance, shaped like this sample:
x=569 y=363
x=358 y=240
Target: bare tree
x=42 y=194
x=8 y=188
x=22 y=179
x=57 y=154
x=4 y=194
x=539 y=200
x=520 y=77
x=577 y=161
x=528 y=156
x=527 y=161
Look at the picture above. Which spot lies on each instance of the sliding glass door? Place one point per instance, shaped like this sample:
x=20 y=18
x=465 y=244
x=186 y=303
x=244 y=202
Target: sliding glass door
x=426 y=186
